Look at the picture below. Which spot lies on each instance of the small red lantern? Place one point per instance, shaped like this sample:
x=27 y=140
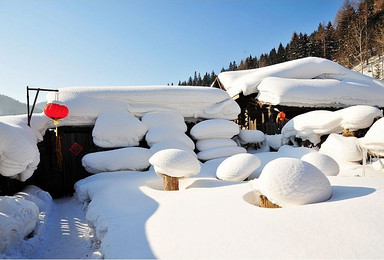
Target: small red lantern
x=56 y=110
x=281 y=115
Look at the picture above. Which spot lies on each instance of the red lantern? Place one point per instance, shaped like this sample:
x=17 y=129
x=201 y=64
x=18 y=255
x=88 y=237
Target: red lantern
x=56 y=110
x=281 y=115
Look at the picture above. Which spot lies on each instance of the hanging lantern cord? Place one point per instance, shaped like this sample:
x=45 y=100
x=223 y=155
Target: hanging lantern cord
x=56 y=123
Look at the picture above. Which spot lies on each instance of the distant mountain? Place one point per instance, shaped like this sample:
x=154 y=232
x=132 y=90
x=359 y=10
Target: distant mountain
x=10 y=106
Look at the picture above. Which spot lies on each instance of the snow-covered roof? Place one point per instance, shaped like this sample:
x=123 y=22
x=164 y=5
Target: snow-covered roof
x=86 y=103
x=310 y=82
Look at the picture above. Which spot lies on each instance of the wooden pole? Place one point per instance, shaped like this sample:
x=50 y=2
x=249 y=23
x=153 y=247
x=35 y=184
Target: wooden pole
x=170 y=183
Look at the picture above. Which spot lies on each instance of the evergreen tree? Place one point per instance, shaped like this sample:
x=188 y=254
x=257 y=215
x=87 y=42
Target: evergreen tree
x=281 y=54
x=293 y=50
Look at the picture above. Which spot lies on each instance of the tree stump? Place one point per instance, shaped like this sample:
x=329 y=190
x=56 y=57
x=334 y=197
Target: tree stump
x=264 y=202
x=170 y=183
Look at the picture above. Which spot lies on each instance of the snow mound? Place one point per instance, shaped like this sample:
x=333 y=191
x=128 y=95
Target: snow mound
x=175 y=163
x=274 y=141
x=86 y=103
x=214 y=128
x=156 y=135
x=237 y=167
x=131 y=158
x=294 y=152
x=206 y=144
x=118 y=129
x=373 y=140
x=169 y=144
x=164 y=119
x=342 y=148
x=18 y=218
x=311 y=125
x=290 y=181
x=19 y=155
x=218 y=152
x=323 y=162
x=264 y=158
x=358 y=117
x=42 y=199
x=251 y=136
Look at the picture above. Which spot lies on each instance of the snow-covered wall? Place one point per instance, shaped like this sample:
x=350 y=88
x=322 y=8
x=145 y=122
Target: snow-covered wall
x=310 y=82
x=86 y=103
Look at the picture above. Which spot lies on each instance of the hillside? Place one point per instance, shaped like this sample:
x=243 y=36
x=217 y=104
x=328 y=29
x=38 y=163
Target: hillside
x=10 y=106
x=374 y=68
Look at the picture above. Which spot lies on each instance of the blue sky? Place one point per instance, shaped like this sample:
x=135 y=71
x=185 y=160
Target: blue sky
x=54 y=44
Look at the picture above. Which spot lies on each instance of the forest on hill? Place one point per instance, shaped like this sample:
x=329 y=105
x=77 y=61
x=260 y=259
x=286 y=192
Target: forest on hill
x=356 y=35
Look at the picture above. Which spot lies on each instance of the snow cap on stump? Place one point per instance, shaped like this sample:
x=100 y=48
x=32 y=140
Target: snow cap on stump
x=238 y=167
x=175 y=163
x=326 y=164
x=290 y=181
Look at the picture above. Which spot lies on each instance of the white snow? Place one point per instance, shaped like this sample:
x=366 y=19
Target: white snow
x=169 y=144
x=86 y=103
x=358 y=117
x=175 y=163
x=274 y=141
x=342 y=148
x=214 y=128
x=217 y=152
x=206 y=144
x=251 y=136
x=156 y=135
x=118 y=129
x=291 y=182
x=374 y=138
x=314 y=124
x=237 y=167
x=310 y=82
x=324 y=163
x=130 y=158
x=164 y=119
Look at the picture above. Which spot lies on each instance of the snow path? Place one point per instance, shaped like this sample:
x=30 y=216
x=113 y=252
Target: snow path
x=67 y=234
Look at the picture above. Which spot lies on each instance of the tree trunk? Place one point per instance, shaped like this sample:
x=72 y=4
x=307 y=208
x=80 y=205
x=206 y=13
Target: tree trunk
x=170 y=183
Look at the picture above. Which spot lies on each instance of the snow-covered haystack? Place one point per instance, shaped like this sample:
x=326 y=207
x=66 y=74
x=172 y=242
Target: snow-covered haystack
x=86 y=103
x=312 y=125
x=289 y=182
x=373 y=141
x=253 y=140
x=237 y=167
x=123 y=159
x=219 y=133
x=118 y=129
x=172 y=164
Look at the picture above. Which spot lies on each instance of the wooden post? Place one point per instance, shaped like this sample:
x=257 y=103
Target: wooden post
x=170 y=183
x=264 y=202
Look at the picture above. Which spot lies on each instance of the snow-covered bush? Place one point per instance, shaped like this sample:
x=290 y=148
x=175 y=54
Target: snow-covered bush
x=290 y=181
x=130 y=158
x=237 y=167
x=118 y=129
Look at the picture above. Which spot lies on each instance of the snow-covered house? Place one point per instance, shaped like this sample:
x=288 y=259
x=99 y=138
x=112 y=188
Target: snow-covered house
x=100 y=119
x=295 y=87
